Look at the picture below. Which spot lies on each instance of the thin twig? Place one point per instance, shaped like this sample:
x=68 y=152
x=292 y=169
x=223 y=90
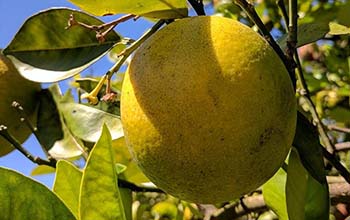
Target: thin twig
x=283 y=9
x=198 y=6
x=339 y=192
x=100 y=34
x=252 y=14
x=342 y=146
x=5 y=134
x=316 y=118
x=336 y=163
x=25 y=119
x=339 y=129
x=128 y=51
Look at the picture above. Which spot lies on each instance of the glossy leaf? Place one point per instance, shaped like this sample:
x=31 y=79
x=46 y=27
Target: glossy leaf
x=24 y=198
x=45 y=51
x=86 y=122
x=100 y=197
x=164 y=9
x=307 y=199
x=275 y=194
x=67 y=185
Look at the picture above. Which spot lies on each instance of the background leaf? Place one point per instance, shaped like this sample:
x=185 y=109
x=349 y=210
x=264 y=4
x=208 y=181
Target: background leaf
x=100 y=197
x=67 y=185
x=23 y=198
x=275 y=194
x=164 y=9
x=43 y=42
x=307 y=199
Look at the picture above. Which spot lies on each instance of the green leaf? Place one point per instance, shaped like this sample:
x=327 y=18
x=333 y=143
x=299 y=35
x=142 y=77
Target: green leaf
x=45 y=51
x=42 y=170
x=86 y=122
x=126 y=195
x=49 y=124
x=67 y=185
x=123 y=156
x=275 y=194
x=307 y=199
x=99 y=196
x=307 y=143
x=307 y=33
x=164 y=9
x=338 y=29
x=23 y=198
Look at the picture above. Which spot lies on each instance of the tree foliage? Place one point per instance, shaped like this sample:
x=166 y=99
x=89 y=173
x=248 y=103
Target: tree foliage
x=83 y=123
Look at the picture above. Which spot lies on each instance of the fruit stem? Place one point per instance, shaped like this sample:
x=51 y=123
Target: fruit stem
x=128 y=51
x=253 y=15
x=5 y=134
x=92 y=96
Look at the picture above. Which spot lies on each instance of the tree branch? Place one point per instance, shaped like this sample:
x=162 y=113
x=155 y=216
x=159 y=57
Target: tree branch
x=198 y=6
x=339 y=193
x=5 y=134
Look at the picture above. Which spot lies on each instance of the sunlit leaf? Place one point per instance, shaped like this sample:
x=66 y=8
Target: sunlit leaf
x=164 y=9
x=123 y=156
x=45 y=51
x=67 y=185
x=68 y=147
x=338 y=29
x=86 y=122
x=100 y=197
x=23 y=198
x=42 y=170
x=275 y=194
x=307 y=199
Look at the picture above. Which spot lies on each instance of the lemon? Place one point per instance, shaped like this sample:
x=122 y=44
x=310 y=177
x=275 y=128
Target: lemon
x=15 y=88
x=208 y=109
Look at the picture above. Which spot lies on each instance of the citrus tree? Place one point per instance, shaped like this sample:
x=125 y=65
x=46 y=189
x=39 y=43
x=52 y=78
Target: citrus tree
x=229 y=110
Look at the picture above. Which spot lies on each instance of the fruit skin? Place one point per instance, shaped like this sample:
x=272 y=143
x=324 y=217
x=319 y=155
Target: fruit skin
x=15 y=87
x=208 y=109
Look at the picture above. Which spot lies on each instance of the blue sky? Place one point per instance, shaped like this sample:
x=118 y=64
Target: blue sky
x=13 y=14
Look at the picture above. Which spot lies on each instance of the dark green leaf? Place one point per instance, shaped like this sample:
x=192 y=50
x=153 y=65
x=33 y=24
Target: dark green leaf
x=126 y=195
x=275 y=194
x=23 y=198
x=164 y=9
x=307 y=33
x=67 y=185
x=307 y=199
x=307 y=143
x=49 y=123
x=100 y=197
x=43 y=42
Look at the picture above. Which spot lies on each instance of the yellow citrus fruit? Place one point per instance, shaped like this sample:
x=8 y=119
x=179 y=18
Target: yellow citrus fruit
x=208 y=109
x=15 y=88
